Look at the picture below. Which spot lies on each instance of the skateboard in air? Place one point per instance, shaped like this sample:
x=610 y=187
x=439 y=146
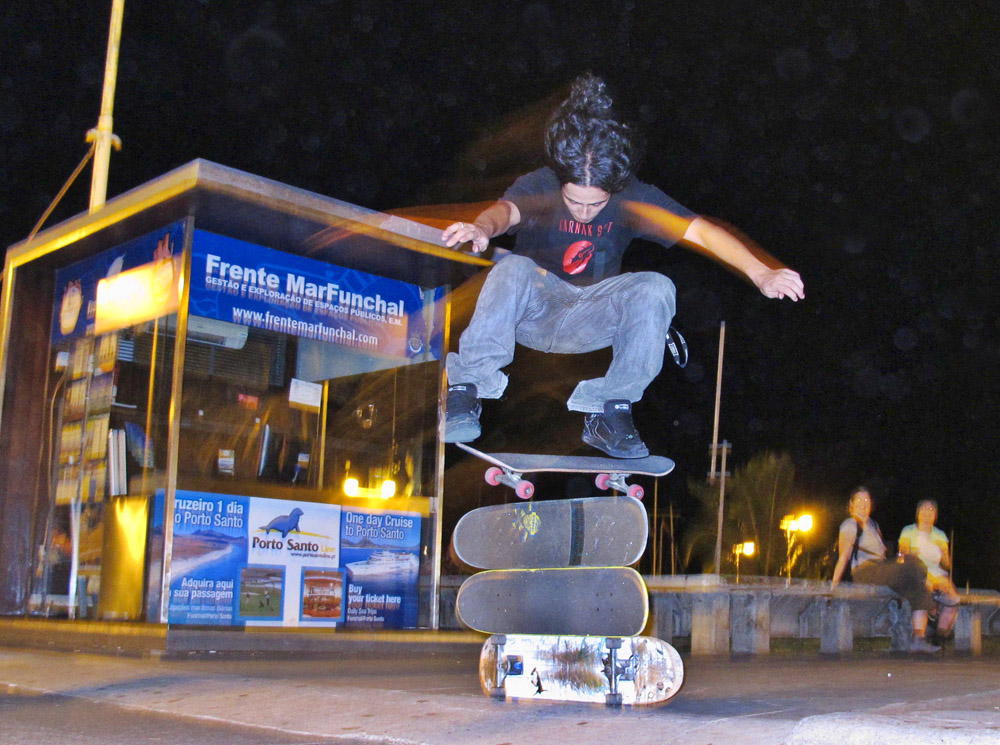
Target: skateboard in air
x=581 y=601
x=634 y=671
x=509 y=469
x=595 y=531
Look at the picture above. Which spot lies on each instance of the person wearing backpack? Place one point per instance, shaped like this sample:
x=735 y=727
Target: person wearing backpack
x=861 y=547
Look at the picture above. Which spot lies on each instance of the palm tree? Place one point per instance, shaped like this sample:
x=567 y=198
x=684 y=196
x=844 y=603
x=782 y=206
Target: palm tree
x=757 y=495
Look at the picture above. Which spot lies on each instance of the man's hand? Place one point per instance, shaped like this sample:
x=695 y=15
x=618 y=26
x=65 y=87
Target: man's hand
x=464 y=232
x=496 y=219
x=723 y=245
x=780 y=283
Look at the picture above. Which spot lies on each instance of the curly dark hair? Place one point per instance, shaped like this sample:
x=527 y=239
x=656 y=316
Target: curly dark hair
x=586 y=144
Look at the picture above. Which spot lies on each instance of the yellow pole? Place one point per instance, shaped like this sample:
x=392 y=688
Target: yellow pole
x=103 y=135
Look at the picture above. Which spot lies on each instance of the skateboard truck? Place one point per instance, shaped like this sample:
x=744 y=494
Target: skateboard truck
x=503 y=667
x=495 y=475
x=616 y=671
x=611 y=671
x=617 y=482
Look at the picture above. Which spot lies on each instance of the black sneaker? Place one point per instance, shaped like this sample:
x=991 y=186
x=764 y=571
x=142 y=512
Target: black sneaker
x=940 y=638
x=613 y=431
x=461 y=419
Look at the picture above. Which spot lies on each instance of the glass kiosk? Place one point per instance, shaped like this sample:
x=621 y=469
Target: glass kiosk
x=220 y=404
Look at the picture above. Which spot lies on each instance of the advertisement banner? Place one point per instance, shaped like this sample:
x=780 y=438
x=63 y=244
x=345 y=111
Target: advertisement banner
x=209 y=548
x=381 y=555
x=251 y=561
x=251 y=285
x=292 y=575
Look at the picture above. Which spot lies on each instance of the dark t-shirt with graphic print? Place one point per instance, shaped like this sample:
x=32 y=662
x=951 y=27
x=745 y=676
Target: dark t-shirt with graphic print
x=584 y=253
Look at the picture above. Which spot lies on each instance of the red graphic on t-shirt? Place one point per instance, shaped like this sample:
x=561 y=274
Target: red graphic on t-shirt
x=577 y=257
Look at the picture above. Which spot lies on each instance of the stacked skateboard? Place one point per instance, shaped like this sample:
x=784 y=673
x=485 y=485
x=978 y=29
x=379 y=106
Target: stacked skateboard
x=563 y=608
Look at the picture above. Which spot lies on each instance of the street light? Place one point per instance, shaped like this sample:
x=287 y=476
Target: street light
x=352 y=488
x=747 y=548
x=791 y=525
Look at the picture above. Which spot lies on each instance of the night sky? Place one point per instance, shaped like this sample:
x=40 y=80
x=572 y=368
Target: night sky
x=854 y=141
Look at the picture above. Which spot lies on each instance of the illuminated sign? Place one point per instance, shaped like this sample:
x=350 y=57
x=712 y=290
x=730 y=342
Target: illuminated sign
x=137 y=295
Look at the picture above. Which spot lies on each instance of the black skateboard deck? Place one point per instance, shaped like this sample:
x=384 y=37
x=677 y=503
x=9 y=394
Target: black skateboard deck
x=596 y=531
x=578 y=601
x=509 y=468
x=636 y=671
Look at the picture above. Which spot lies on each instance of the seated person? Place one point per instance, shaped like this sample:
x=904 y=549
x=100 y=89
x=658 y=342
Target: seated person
x=930 y=545
x=860 y=543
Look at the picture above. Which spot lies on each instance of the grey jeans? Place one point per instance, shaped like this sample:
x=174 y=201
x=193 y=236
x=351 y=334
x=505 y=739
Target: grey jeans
x=524 y=304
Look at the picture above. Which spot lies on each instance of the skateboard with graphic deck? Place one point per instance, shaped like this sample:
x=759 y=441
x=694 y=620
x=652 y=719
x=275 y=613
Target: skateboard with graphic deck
x=595 y=531
x=579 y=601
x=635 y=671
x=611 y=473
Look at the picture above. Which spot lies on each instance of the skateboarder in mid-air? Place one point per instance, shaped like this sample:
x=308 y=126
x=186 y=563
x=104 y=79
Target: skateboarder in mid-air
x=562 y=289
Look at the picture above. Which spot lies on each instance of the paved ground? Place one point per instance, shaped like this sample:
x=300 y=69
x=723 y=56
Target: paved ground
x=431 y=696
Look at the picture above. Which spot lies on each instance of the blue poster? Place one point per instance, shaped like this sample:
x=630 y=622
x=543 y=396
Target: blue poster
x=380 y=552
x=210 y=546
x=251 y=285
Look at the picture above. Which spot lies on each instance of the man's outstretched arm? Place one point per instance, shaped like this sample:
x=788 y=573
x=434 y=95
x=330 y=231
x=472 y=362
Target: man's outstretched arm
x=720 y=243
x=495 y=220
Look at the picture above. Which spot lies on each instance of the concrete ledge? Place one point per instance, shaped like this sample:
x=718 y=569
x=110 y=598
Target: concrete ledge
x=837 y=629
x=776 y=585
x=141 y=639
x=305 y=642
x=750 y=622
x=724 y=617
x=98 y=637
x=710 y=613
x=969 y=630
x=763 y=608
